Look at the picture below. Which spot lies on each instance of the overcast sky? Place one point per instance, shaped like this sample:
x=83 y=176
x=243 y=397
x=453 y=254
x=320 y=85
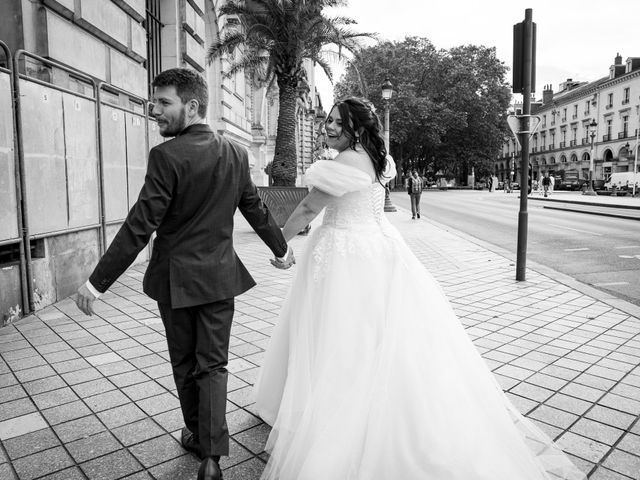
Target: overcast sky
x=575 y=39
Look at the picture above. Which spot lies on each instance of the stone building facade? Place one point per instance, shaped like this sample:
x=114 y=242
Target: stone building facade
x=75 y=128
x=606 y=111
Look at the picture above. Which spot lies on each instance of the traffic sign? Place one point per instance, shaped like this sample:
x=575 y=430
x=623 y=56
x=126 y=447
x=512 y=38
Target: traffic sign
x=515 y=124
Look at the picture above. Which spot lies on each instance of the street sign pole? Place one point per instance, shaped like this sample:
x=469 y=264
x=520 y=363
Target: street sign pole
x=527 y=44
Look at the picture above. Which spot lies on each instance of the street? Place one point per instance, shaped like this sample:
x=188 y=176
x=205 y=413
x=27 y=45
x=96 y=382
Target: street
x=600 y=251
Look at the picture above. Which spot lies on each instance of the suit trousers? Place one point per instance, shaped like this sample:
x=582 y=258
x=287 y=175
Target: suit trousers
x=198 y=341
x=415 y=203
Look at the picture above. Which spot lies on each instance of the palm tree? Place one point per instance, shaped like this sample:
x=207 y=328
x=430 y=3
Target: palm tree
x=271 y=42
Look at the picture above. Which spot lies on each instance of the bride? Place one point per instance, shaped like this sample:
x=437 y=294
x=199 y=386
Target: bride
x=360 y=382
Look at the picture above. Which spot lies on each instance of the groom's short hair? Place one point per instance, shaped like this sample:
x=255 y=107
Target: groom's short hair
x=189 y=85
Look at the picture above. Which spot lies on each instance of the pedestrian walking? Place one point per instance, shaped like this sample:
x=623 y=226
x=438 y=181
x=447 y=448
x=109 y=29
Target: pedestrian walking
x=193 y=185
x=357 y=382
x=546 y=184
x=552 y=185
x=414 y=189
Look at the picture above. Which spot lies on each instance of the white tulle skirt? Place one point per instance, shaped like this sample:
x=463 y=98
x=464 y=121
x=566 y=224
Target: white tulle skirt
x=369 y=375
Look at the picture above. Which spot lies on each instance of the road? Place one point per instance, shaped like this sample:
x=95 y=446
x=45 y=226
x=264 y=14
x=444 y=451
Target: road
x=600 y=251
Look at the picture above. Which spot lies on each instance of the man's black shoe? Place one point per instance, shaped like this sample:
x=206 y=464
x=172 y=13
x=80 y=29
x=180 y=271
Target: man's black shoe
x=209 y=470
x=418 y=215
x=190 y=442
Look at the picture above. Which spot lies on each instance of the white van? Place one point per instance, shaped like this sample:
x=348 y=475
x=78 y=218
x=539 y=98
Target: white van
x=621 y=180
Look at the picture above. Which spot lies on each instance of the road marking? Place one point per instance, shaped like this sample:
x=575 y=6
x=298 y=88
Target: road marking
x=629 y=256
x=610 y=284
x=575 y=229
x=628 y=246
x=584 y=249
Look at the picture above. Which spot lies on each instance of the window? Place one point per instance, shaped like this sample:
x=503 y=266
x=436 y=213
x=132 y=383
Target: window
x=544 y=121
x=626 y=96
x=575 y=111
x=609 y=128
x=610 y=100
x=153 y=26
x=564 y=115
x=625 y=126
x=587 y=107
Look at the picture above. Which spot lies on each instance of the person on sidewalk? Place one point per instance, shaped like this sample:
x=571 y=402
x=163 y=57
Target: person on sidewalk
x=546 y=184
x=193 y=185
x=357 y=382
x=414 y=189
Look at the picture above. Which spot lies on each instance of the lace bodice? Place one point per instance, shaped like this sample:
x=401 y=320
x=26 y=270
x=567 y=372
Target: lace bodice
x=359 y=208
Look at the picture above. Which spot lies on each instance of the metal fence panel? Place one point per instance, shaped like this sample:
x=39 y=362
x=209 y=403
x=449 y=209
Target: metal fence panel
x=114 y=155
x=82 y=160
x=136 y=154
x=44 y=164
x=8 y=203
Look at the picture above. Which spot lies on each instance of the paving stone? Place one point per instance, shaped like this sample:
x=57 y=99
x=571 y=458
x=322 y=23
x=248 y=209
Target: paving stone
x=630 y=444
x=143 y=390
x=250 y=469
x=54 y=397
x=81 y=376
x=42 y=463
x=623 y=462
x=158 y=404
x=137 y=432
x=65 y=413
x=16 y=408
x=118 y=416
x=583 y=447
x=128 y=378
x=568 y=404
x=254 y=439
x=79 y=428
x=106 y=401
x=73 y=473
x=610 y=417
x=181 y=468
x=93 y=446
x=603 y=473
x=553 y=416
x=30 y=443
x=598 y=431
x=112 y=466
x=171 y=420
x=157 y=450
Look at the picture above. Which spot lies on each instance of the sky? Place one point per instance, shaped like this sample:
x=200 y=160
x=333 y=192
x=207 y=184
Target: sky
x=575 y=39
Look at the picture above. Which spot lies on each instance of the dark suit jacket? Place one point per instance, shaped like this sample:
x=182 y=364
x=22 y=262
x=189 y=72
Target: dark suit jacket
x=193 y=185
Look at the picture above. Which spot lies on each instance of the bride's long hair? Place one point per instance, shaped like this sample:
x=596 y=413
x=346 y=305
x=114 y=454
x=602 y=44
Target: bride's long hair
x=364 y=127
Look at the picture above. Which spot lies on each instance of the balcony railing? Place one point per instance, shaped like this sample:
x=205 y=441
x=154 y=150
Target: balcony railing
x=534 y=149
x=572 y=143
x=623 y=134
x=586 y=112
x=606 y=138
x=552 y=146
x=563 y=144
x=585 y=141
x=574 y=116
x=625 y=101
x=563 y=119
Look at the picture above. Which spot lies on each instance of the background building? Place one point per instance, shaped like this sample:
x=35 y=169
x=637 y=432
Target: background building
x=74 y=143
x=562 y=145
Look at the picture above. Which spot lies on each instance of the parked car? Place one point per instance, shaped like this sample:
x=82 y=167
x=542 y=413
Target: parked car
x=515 y=186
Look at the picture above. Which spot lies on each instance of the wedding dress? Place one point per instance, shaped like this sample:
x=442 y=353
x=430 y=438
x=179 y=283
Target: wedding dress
x=370 y=375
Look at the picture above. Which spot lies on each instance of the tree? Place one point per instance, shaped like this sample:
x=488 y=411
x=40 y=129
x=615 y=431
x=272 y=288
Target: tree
x=449 y=111
x=271 y=42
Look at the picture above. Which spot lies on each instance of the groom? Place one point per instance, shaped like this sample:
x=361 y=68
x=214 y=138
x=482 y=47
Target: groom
x=193 y=185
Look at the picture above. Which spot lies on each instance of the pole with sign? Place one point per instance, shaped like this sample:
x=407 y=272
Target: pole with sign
x=524 y=48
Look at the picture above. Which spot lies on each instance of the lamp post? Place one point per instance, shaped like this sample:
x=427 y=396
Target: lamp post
x=387 y=93
x=592 y=133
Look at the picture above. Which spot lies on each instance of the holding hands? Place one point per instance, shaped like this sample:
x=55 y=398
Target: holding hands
x=283 y=263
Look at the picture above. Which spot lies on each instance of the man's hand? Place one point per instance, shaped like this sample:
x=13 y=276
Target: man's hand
x=284 y=264
x=85 y=299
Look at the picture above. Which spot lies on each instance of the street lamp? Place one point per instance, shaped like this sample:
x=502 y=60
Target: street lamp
x=387 y=93
x=592 y=133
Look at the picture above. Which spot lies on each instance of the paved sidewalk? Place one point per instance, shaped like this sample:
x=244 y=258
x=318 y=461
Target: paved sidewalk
x=93 y=398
